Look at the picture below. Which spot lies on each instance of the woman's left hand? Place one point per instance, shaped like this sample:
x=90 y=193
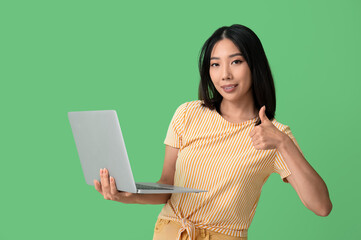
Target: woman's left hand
x=266 y=135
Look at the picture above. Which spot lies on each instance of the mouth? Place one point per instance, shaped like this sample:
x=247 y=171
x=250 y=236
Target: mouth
x=229 y=88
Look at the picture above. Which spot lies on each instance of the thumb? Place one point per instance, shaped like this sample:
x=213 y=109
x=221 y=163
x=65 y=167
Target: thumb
x=262 y=114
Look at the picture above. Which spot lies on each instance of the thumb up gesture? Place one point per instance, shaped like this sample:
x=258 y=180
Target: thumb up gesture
x=266 y=135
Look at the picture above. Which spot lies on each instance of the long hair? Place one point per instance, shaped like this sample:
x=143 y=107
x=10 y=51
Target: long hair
x=262 y=81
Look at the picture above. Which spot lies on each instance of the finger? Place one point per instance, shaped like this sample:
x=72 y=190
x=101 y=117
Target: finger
x=113 y=187
x=256 y=142
x=253 y=132
x=257 y=145
x=262 y=114
x=104 y=178
x=98 y=187
x=255 y=138
x=261 y=145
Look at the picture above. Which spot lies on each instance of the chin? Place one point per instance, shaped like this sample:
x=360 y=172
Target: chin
x=232 y=99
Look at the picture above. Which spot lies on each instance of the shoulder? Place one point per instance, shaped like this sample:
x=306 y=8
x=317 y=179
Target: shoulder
x=280 y=126
x=188 y=111
x=287 y=130
x=191 y=106
x=195 y=105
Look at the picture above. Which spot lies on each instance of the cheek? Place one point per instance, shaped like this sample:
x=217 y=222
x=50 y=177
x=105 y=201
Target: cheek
x=213 y=76
x=245 y=77
x=247 y=74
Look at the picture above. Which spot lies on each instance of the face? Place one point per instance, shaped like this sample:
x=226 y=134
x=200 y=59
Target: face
x=229 y=72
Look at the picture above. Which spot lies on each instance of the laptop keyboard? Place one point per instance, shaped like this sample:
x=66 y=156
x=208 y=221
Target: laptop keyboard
x=141 y=186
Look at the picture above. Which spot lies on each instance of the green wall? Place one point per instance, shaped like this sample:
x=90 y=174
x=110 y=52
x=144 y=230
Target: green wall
x=140 y=58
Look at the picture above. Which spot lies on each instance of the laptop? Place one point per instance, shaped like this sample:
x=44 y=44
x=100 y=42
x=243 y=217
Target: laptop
x=100 y=144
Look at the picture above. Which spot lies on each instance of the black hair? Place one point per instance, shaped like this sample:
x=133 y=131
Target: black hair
x=250 y=46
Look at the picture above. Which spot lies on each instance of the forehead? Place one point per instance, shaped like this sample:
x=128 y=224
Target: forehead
x=224 y=47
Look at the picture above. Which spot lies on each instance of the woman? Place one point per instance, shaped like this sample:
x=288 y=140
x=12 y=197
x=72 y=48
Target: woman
x=227 y=142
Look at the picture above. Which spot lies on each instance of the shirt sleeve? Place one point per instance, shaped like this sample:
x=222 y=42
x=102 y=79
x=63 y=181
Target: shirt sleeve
x=176 y=127
x=280 y=166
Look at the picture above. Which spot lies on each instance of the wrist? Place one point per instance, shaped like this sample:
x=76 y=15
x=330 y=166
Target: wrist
x=284 y=140
x=135 y=198
x=131 y=198
x=127 y=198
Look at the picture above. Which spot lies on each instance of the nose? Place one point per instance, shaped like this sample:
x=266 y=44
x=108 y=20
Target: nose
x=226 y=73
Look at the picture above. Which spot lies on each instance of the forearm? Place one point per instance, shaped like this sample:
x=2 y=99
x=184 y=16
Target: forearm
x=310 y=187
x=152 y=198
x=159 y=198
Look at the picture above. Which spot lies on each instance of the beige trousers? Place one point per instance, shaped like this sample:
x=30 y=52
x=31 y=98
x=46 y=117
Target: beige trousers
x=168 y=230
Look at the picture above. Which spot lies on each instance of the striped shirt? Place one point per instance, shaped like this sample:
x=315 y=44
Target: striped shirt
x=218 y=156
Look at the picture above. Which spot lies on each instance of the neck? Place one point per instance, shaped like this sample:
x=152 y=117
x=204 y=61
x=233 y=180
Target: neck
x=238 y=110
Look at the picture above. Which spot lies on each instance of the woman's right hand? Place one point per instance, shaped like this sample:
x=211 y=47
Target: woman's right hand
x=108 y=189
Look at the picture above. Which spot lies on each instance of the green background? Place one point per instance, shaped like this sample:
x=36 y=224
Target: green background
x=140 y=58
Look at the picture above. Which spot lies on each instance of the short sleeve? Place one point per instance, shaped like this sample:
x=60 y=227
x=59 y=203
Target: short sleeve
x=280 y=166
x=176 y=127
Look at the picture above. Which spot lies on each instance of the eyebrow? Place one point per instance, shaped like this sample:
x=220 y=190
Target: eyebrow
x=230 y=56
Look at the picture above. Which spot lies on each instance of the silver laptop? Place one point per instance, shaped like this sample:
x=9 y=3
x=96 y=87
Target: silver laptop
x=100 y=144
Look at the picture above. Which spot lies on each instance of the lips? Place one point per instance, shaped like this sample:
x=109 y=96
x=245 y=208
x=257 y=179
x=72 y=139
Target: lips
x=229 y=86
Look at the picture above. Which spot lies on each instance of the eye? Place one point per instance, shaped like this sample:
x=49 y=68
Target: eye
x=214 y=64
x=237 y=61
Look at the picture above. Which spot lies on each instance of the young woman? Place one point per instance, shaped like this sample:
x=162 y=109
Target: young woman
x=227 y=142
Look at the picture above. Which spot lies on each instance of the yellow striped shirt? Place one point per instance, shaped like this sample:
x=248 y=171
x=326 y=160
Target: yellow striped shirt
x=218 y=156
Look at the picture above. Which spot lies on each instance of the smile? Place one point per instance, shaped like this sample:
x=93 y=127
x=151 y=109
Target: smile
x=229 y=88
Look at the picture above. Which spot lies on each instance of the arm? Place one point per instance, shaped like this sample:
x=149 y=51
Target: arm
x=108 y=188
x=304 y=179
x=309 y=186
x=167 y=177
